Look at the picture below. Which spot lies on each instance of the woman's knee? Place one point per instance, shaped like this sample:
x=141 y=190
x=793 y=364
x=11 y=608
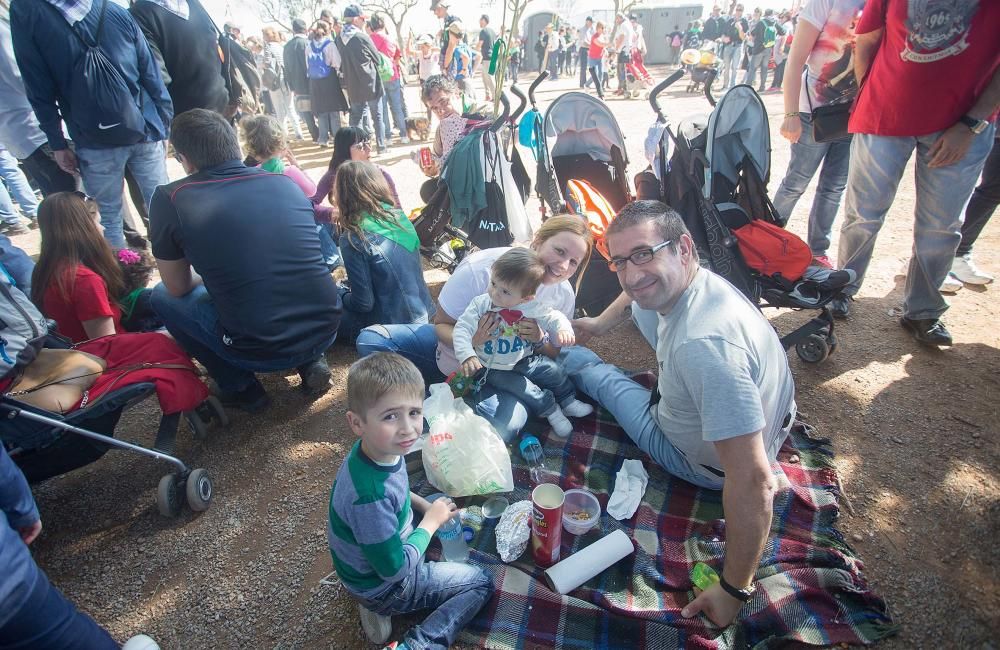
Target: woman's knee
x=374 y=338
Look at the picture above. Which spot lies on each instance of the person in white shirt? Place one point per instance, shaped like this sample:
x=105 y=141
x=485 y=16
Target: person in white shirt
x=583 y=47
x=623 y=46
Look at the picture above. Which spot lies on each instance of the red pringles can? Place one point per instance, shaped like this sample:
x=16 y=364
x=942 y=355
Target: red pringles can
x=546 y=523
x=425 y=157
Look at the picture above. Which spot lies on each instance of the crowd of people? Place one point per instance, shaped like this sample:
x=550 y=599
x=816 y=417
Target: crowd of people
x=245 y=242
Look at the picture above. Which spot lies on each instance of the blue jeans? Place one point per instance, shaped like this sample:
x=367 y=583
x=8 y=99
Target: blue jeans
x=582 y=60
x=327 y=124
x=454 y=591
x=48 y=620
x=418 y=343
x=877 y=165
x=17 y=264
x=758 y=62
x=627 y=402
x=328 y=243
x=598 y=65
x=538 y=381
x=193 y=320
x=392 y=102
x=732 y=55
x=17 y=184
x=374 y=109
x=807 y=154
x=103 y=172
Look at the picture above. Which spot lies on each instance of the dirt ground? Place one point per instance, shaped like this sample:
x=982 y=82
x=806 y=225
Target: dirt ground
x=915 y=432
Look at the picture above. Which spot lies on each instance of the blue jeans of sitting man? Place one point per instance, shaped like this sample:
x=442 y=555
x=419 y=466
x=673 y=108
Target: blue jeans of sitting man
x=538 y=381
x=505 y=411
x=807 y=154
x=194 y=322
x=454 y=593
x=17 y=184
x=374 y=109
x=103 y=173
x=876 y=167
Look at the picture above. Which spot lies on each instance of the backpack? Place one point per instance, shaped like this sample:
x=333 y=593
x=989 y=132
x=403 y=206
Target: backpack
x=273 y=73
x=316 y=66
x=772 y=251
x=22 y=328
x=385 y=67
x=101 y=104
x=676 y=41
x=770 y=34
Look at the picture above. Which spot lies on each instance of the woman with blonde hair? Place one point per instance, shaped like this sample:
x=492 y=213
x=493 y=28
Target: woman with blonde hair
x=563 y=243
x=381 y=253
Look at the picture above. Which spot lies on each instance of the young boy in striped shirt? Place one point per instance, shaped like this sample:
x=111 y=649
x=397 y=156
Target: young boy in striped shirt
x=377 y=552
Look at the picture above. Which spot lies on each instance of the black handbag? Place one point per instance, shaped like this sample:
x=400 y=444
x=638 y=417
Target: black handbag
x=830 y=122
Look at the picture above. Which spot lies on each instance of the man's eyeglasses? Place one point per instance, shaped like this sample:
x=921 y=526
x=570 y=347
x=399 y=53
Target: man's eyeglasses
x=638 y=258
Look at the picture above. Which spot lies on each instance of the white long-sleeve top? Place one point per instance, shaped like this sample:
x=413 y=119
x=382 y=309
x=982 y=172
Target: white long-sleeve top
x=504 y=348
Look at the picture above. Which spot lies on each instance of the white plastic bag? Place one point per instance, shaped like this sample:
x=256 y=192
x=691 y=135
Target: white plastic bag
x=463 y=455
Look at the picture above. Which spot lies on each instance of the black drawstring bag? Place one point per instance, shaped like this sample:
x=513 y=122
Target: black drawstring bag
x=488 y=229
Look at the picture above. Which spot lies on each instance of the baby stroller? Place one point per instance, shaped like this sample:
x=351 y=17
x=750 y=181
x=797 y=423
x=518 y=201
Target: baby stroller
x=445 y=238
x=716 y=178
x=138 y=365
x=702 y=64
x=582 y=141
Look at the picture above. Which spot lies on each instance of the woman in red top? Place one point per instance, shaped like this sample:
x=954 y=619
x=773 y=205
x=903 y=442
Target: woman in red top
x=76 y=276
x=595 y=55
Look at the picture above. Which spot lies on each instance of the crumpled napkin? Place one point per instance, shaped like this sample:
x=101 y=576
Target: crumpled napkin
x=630 y=485
x=513 y=530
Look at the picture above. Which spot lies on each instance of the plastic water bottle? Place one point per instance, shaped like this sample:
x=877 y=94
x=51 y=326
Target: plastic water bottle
x=453 y=541
x=531 y=452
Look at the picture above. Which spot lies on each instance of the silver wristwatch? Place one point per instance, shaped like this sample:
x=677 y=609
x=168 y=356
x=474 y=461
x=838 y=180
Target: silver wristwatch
x=976 y=126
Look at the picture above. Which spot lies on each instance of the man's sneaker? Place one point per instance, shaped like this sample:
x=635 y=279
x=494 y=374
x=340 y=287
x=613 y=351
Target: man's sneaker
x=822 y=260
x=33 y=224
x=316 y=377
x=251 y=399
x=965 y=270
x=929 y=331
x=377 y=627
x=141 y=642
x=404 y=139
x=951 y=284
x=397 y=645
x=560 y=425
x=11 y=229
x=840 y=306
x=577 y=409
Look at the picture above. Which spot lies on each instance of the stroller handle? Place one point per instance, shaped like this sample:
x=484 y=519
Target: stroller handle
x=534 y=84
x=660 y=87
x=712 y=74
x=502 y=119
x=517 y=92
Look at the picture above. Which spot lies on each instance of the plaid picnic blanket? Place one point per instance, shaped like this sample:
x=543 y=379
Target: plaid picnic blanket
x=810 y=589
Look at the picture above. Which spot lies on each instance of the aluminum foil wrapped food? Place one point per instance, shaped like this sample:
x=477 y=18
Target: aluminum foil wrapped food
x=513 y=531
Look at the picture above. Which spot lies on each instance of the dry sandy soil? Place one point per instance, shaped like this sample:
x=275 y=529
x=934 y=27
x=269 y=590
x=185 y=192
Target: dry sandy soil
x=915 y=433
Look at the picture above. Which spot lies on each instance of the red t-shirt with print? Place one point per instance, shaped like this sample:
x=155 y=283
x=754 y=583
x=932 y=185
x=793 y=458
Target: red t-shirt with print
x=935 y=59
x=87 y=300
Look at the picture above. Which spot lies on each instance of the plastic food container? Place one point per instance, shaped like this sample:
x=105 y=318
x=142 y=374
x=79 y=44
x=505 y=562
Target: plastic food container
x=581 y=511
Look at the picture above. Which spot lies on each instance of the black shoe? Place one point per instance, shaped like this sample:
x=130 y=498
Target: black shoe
x=840 y=306
x=929 y=331
x=12 y=229
x=137 y=241
x=315 y=375
x=251 y=399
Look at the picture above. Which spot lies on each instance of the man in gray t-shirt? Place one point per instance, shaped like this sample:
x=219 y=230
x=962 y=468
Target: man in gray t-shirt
x=725 y=398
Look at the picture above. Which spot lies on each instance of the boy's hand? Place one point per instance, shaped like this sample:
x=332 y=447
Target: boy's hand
x=441 y=510
x=471 y=366
x=564 y=339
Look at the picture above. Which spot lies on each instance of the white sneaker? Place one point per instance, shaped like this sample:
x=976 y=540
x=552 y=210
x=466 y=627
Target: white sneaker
x=560 y=425
x=577 y=409
x=141 y=642
x=377 y=627
x=965 y=270
x=404 y=139
x=951 y=284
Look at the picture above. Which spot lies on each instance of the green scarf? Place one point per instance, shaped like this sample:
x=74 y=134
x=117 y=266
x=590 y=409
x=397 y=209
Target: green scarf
x=400 y=230
x=273 y=165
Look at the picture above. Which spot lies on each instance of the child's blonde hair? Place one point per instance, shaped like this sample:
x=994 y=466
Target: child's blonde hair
x=371 y=378
x=520 y=268
x=264 y=136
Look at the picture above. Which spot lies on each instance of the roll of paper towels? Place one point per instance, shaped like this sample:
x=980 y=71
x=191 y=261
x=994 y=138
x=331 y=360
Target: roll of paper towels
x=583 y=565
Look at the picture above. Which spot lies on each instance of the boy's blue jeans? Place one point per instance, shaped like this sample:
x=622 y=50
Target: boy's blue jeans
x=454 y=591
x=538 y=381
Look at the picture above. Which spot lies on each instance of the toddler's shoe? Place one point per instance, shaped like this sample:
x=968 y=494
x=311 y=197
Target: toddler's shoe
x=577 y=409
x=560 y=424
x=377 y=627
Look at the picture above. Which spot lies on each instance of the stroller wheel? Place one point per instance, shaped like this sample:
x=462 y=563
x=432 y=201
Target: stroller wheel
x=814 y=349
x=832 y=342
x=199 y=427
x=167 y=497
x=218 y=411
x=199 y=490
